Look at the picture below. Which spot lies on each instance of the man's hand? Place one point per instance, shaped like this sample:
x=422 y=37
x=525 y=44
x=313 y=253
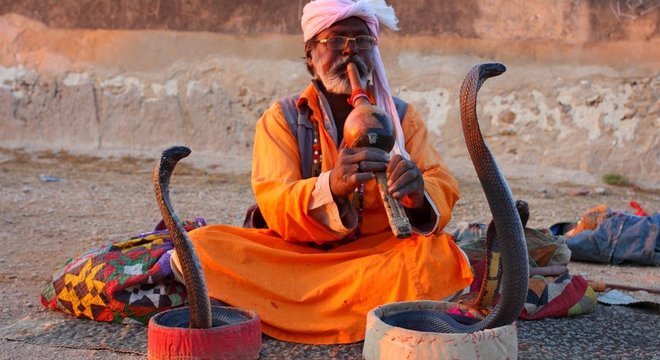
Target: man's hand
x=354 y=167
x=405 y=182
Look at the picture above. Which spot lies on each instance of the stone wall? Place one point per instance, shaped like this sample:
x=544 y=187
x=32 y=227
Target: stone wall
x=582 y=90
x=566 y=20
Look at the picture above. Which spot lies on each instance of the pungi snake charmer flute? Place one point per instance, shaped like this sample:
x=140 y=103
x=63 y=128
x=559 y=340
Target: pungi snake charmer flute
x=369 y=126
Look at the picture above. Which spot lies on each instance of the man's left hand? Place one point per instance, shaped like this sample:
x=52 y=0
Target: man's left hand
x=405 y=182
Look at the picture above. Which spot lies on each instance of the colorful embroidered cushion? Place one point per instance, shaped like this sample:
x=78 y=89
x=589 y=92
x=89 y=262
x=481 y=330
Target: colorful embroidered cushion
x=129 y=279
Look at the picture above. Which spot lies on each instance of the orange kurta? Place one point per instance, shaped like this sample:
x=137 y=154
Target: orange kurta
x=302 y=293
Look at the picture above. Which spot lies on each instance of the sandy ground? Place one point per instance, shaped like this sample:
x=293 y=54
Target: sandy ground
x=43 y=223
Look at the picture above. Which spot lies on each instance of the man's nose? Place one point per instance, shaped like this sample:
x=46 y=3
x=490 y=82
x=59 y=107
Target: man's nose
x=350 y=48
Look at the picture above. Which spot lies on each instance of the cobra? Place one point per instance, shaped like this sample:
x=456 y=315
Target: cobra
x=193 y=277
x=207 y=335
x=507 y=222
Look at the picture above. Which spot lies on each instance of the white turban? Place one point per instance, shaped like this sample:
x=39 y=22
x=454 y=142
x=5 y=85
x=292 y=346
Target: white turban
x=319 y=15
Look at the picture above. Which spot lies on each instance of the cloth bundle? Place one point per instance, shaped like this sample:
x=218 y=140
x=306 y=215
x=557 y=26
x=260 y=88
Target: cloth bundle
x=120 y=281
x=615 y=237
x=544 y=248
x=547 y=296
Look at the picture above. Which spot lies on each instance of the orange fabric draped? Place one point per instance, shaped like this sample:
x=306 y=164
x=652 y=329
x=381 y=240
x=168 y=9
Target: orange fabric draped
x=304 y=294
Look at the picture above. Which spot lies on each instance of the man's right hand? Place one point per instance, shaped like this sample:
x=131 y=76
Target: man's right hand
x=355 y=166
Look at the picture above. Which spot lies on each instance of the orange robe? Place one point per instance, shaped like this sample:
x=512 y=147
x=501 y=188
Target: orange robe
x=305 y=294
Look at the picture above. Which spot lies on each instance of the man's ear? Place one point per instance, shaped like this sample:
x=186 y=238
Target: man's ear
x=308 y=59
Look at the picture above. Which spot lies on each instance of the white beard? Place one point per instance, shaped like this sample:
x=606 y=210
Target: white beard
x=337 y=82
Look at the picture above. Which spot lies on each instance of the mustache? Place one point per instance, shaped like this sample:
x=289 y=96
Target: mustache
x=338 y=69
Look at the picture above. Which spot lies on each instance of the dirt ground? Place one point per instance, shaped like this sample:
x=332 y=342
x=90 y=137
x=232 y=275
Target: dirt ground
x=97 y=200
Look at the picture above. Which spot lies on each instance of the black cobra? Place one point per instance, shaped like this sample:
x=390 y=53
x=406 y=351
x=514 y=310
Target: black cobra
x=198 y=299
x=200 y=314
x=508 y=227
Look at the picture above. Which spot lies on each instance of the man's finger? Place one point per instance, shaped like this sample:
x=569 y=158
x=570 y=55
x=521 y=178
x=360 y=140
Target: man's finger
x=406 y=184
x=401 y=168
x=362 y=178
x=372 y=166
x=394 y=163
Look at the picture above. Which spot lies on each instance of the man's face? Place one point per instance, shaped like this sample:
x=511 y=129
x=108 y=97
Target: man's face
x=330 y=65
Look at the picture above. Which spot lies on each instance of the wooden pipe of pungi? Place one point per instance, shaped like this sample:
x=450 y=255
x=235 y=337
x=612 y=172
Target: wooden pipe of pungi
x=370 y=126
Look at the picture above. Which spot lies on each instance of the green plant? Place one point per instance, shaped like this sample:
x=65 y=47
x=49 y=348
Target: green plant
x=614 y=179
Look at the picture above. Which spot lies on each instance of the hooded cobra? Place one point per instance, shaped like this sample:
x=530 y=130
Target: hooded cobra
x=199 y=314
x=508 y=227
x=193 y=277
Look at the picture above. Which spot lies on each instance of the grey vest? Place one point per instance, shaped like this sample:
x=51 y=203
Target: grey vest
x=301 y=128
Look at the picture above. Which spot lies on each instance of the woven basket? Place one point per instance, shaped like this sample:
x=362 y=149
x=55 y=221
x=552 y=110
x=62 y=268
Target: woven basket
x=383 y=341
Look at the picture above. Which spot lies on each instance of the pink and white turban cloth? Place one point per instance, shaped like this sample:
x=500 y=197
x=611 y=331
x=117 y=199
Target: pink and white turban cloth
x=319 y=15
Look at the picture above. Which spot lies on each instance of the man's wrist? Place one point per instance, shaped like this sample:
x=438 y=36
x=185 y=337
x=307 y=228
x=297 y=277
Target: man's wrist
x=414 y=201
x=335 y=197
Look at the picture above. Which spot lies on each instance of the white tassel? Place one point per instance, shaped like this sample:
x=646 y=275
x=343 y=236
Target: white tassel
x=384 y=13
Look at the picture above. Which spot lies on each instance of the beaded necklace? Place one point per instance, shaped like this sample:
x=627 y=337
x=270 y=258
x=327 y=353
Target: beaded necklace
x=316 y=149
x=358 y=196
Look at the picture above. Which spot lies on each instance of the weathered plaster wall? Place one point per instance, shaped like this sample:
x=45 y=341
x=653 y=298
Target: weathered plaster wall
x=572 y=97
x=568 y=20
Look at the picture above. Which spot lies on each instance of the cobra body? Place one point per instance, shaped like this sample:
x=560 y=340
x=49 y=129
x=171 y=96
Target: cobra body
x=509 y=230
x=198 y=299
